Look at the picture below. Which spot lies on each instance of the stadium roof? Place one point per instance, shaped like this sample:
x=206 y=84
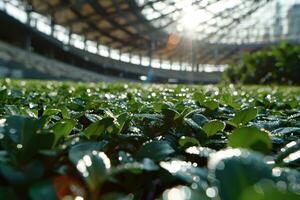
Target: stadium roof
x=195 y=31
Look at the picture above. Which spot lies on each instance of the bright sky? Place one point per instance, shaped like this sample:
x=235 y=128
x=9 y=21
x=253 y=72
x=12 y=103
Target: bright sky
x=199 y=20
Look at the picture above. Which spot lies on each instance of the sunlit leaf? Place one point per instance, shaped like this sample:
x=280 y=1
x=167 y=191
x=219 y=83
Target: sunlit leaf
x=235 y=170
x=252 y=138
x=243 y=117
x=155 y=150
x=212 y=127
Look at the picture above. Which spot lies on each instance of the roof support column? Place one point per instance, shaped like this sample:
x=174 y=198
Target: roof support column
x=151 y=51
x=98 y=49
x=160 y=63
x=180 y=64
x=193 y=56
x=69 y=36
x=140 y=57
x=84 y=43
x=52 y=24
x=28 y=12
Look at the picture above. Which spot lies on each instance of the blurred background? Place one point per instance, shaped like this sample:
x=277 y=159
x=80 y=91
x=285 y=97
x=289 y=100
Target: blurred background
x=159 y=41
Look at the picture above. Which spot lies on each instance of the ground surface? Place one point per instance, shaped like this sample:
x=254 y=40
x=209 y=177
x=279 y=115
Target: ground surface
x=127 y=141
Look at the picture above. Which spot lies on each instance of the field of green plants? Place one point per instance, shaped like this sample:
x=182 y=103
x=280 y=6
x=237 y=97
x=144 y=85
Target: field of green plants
x=75 y=141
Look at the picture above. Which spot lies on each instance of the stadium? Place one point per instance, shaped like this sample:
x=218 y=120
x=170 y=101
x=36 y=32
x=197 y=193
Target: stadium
x=150 y=99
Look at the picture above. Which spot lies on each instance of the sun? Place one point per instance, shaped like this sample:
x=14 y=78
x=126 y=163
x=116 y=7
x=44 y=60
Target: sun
x=192 y=18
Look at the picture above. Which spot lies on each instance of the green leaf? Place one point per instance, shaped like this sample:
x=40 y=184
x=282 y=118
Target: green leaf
x=122 y=119
x=95 y=171
x=212 y=127
x=51 y=111
x=288 y=154
x=93 y=166
x=117 y=196
x=77 y=151
x=286 y=131
x=155 y=150
x=28 y=174
x=243 y=117
x=62 y=129
x=3 y=94
x=211 y=104
x=98 y=128
x=169 y=114
x=135 y=167
x=125 y=157
x=196 y=122
x=65 y=113
x=251 y=138
x=197 y=96
x=43 y=190
x=228 y=100
x=20 y=133
x=7 y=193
x=155 y=117
x=93 y=117
x=234 y=170
x=267 y=190
x=199 y=119
x=192 y=124
x=186 y=142
x=11 y=110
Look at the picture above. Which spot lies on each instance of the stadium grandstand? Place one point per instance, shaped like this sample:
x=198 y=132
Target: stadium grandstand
x=188 y=41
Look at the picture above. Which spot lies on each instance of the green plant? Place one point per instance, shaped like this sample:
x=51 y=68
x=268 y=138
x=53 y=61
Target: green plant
x=130 y=141
x=280 y=65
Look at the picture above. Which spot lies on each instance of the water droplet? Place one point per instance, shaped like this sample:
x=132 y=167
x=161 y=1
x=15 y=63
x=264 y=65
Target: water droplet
x=257 y=188
x=105 y=159
x=292 y=157
x=281 y=185
x=175 y=166
x=193 y=150
x=276 y=171
x=179 y=193
x=1 y=136
x=194 y=186
x=221 y=165
x=211 y=192
x=85 y=174
x=12 y=131
x=196 y=178
x=79 y=198
x=291 y=144
x=81 y=166
x=87 y=160
x=2 y=122
x=19 y=146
